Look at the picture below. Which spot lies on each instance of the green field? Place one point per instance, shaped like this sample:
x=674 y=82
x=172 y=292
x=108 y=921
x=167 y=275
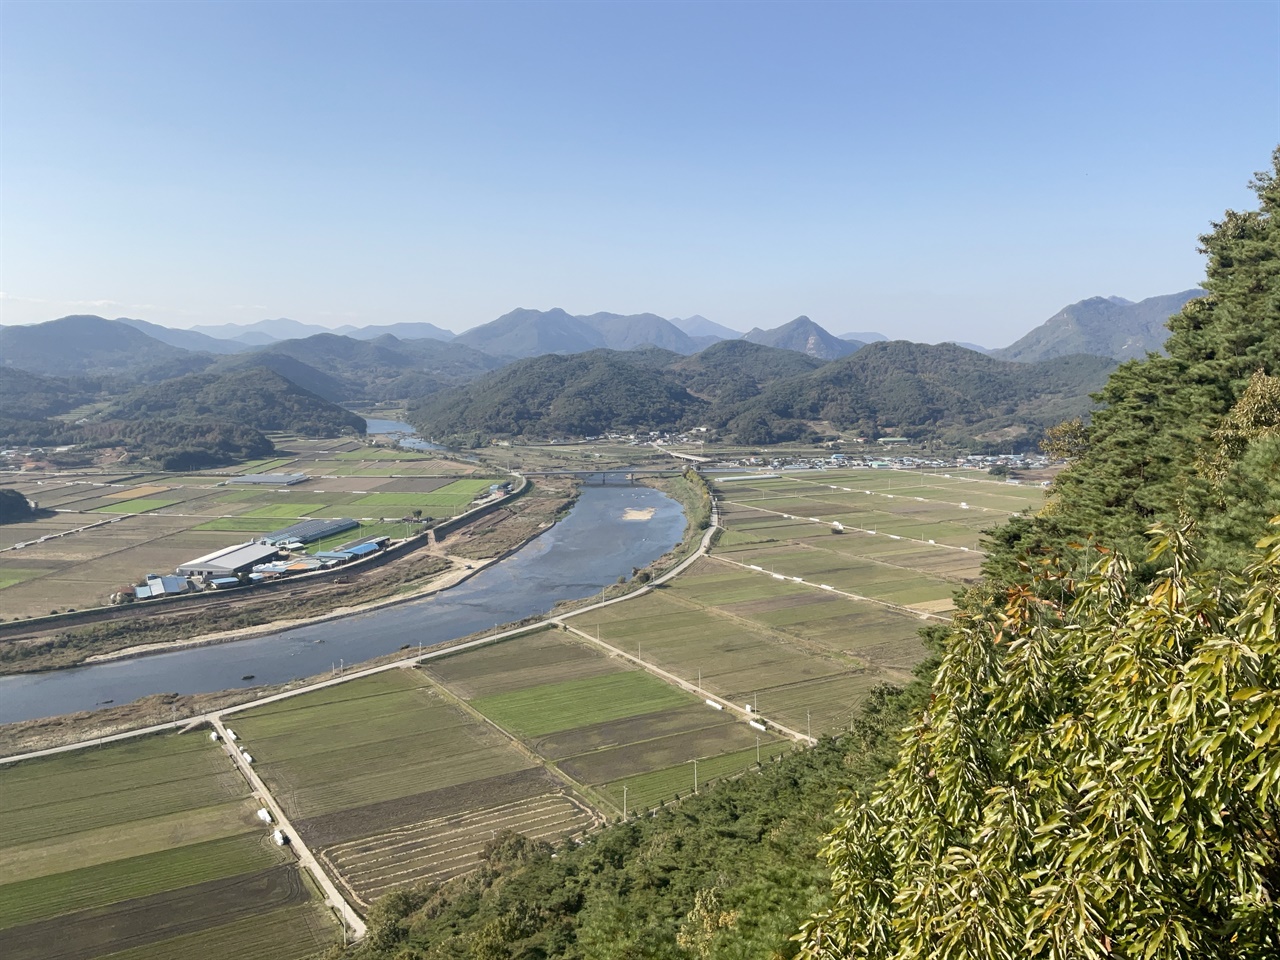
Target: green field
x=288 y=511
x=372 y=740
x=135 y=845
x=648 y=790
x=578 y=703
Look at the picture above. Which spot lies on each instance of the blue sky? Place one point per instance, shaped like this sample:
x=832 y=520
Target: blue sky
x=931 y=171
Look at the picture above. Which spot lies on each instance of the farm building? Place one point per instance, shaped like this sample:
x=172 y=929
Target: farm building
x=270 y=479
x=309 y=531
x=161 y=587
x=228 y=561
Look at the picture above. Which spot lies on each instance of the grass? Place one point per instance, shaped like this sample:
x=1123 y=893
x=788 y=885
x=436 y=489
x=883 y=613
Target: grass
x=552 y=707
x=11 y=575
x=235 y=525
x=287 y=511
x=138 y=779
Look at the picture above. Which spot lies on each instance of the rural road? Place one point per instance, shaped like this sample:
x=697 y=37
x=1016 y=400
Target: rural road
x=306 y=859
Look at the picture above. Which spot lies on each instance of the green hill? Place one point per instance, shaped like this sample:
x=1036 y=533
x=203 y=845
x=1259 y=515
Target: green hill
x=583 y=394
x=929 y=391
x=90 y=345
x=257 y=398
x=341 y=368
x=735 y=370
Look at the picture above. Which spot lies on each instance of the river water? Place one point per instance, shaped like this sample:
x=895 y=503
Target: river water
x=404 y=433
x=579 y=556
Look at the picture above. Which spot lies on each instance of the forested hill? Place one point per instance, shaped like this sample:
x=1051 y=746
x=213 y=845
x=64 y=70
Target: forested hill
x=1092 y=775
x=583 y=394
x=341 y=368
x=258 y=398
x=735 y=370
x=758 y=394
x=919 y=390
x=1096 y=773
x=90 y=345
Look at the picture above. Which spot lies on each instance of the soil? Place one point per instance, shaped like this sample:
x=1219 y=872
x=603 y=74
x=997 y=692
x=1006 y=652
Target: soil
x=375 y=818
x=146 y=920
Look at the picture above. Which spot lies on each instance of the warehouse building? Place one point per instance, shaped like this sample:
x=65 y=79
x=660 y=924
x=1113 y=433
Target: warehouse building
x=229 y=561
x=309 y=531
x=270 y=479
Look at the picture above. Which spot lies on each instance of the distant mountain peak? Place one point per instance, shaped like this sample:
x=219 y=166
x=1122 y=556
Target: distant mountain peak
x=1102 y=327
x=803 y=336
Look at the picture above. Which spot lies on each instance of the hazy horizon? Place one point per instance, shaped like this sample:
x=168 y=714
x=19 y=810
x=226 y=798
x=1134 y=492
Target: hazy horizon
x=929 y=171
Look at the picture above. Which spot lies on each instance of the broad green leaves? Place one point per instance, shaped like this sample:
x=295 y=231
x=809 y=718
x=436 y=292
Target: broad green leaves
x=1092 y=780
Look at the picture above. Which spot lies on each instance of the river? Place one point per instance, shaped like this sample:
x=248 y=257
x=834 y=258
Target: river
x=403 y=432
x=579 y=556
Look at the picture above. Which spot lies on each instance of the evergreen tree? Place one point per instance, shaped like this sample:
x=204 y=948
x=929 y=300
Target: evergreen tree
x=1139 y=461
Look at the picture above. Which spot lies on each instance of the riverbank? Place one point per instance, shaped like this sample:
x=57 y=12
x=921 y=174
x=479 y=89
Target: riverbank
x=459 y=571
x=305 y=647
x=246 y=615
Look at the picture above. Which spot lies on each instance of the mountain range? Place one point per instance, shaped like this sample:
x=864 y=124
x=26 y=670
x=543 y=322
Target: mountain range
x=1099 y=326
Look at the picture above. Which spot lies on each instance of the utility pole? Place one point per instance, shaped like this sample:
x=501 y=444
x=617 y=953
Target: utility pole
x=808 y=725
x=624 y=801
x=757 y=750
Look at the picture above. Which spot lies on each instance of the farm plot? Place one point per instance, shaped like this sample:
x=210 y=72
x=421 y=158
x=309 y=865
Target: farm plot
x=604 y=731
x=526 y=661
x=448 y=846
x=126 y=526
x=137 y=845
x=455 y=496
x=371 y=740
x=363 y=765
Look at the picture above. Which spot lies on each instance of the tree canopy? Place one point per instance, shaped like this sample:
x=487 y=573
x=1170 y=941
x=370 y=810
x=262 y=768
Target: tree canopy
x=1096 y=773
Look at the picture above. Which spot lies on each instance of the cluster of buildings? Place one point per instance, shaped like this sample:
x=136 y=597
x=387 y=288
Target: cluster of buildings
x=273 y=555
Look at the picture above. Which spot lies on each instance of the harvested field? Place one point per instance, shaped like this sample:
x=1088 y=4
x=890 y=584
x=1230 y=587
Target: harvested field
x=167 y=519
x=152 y=919
x=448 y=846
x=291 y=933
x=128 y=845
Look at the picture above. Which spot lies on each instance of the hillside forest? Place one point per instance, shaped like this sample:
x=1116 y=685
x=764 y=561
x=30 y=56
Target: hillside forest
x=1087 y=767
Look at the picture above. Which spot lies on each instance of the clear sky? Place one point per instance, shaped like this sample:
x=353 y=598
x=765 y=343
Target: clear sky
x=931 y=171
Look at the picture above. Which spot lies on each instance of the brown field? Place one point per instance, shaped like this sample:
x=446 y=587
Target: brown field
x=448 y=846
x=153 y=919
x=350 y=824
